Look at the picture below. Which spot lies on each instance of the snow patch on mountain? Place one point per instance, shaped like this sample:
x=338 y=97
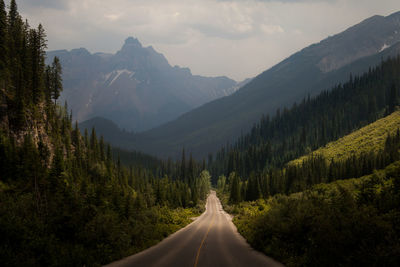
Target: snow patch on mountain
x=385 y=46
x=116 y=73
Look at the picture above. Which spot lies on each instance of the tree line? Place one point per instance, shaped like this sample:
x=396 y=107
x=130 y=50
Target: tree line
x=313 y=170
x=255 y=166
x=312 y=123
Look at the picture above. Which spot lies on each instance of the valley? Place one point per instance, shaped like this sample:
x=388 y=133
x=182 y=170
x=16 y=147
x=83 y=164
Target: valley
x=121 y=159
x=207 y=128
x=211 y=239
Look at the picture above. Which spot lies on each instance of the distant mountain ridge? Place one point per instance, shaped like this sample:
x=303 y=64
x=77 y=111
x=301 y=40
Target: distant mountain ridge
x=136 y=87
x=313 y=69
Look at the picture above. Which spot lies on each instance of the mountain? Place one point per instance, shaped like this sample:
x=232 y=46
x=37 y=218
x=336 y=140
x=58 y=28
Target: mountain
x=136 y=87
x=314 y=122
x=309 y=71
x=109 y=130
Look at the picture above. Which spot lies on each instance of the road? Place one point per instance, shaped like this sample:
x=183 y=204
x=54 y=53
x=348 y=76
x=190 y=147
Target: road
x=211 y=240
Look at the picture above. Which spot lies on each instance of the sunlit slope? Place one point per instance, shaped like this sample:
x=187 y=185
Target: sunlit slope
x=369 y=138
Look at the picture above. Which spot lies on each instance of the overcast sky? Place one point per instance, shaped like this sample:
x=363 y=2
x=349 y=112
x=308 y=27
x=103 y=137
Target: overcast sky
x=236 y=38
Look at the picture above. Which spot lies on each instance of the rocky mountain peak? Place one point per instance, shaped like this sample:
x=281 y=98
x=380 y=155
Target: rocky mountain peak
x=136 y=87
x=130 y=41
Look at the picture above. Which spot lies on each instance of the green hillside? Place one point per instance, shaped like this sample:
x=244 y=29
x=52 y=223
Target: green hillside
x=347 y=222
x=369 y=138
x=314 y=122
x=351 y=222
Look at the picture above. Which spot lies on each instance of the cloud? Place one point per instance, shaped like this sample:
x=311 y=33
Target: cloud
x=281 y=1
x=112 y=17
x=53 y=4
x=237 y=38
x=271 y=29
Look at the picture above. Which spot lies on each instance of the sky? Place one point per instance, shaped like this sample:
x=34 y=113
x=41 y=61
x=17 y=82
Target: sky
x=234 y=38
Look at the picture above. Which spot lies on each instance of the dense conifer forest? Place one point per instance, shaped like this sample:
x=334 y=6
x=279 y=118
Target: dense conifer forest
x=68 y=199
x=307 y=126
x=308 y=212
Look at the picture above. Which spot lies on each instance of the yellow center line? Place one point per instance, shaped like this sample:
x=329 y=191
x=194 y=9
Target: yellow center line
x=202 y=241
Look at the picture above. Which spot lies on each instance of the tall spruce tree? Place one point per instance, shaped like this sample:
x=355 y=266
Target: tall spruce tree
x=15 y=37
x=3 y=45
x=56 y=79
x=235 y=188
x=394 y=98
x=183 y=166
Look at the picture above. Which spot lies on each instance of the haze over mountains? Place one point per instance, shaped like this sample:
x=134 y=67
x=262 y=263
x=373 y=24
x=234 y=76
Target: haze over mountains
x=309 y=71
x=136 y=87
x=313 y=69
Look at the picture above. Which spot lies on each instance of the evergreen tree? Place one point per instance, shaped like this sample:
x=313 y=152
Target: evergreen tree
x=15 y=37
x=235 y=188
x=56 y=80
x=394 y=98
x=48 y=84
x=101 y=146
x=191 y=171
x=3 y=45
x=183 y=166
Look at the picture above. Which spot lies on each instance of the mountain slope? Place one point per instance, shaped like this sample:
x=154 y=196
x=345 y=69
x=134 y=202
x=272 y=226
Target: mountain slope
x=367 y=139
x=311 y=70
x=109 y=130
x=312 y=123
x=136 y=87
x=347 y=212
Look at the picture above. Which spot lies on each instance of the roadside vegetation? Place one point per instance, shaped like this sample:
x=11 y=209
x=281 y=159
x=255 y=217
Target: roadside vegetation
x=345 y=223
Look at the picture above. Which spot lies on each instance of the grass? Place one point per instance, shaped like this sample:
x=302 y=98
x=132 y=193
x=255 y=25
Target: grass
x=369 y=138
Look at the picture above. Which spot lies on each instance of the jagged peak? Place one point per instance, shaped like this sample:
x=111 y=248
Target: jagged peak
x=80 y=51
x=131 y=41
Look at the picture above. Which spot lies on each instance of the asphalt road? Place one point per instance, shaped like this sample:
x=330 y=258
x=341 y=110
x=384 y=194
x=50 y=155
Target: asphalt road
x=211 y=240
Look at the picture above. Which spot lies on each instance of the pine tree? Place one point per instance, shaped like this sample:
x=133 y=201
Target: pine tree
x=393 y=99
x=15 y=37
x=57 y=168
x=48 y=84
x=183 y=166
x=101 y=146
x=3 y=46
x=235 y=188
x=190 y=172
x=42 y=46
x=37 y=46
x=108 y=157
x=56 y=81
x=93 y=144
